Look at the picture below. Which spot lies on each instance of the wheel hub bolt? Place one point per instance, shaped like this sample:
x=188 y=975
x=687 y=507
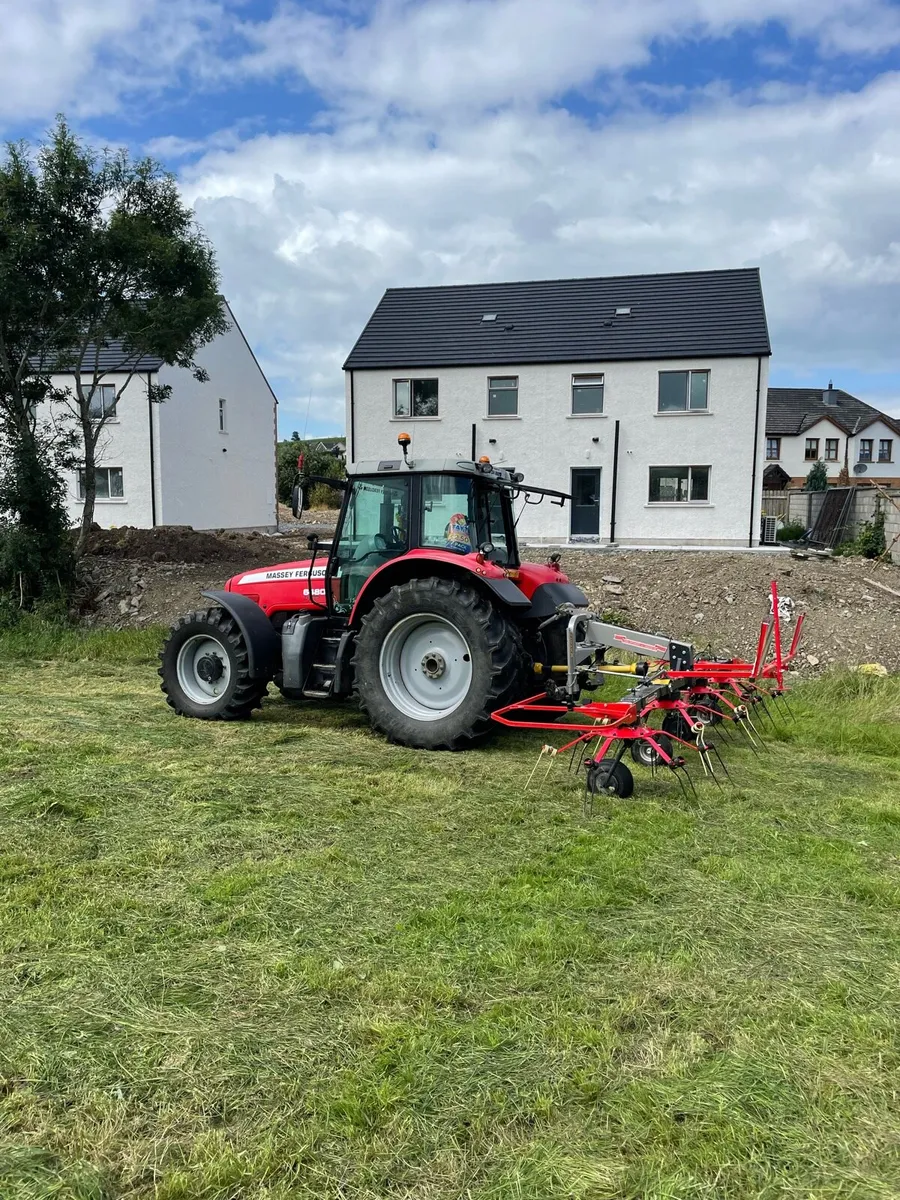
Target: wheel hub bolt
x=210 y=668
x=433 y=664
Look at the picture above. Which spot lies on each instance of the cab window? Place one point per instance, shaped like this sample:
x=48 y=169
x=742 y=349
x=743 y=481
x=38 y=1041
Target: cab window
x=461 y=514
x=375 y=530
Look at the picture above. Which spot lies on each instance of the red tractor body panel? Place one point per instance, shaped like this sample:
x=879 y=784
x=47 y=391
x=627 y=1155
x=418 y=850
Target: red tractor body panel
x=284 y=587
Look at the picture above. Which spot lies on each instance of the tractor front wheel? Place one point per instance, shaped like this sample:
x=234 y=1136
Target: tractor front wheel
x=433 y=660
x=204 y=667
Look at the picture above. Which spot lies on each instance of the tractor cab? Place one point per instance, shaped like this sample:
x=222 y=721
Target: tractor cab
x=394 y=507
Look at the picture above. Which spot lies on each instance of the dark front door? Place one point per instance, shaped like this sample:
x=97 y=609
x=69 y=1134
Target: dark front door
x=585 y=502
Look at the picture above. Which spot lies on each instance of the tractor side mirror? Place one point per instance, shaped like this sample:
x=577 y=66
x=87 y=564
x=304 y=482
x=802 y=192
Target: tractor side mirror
x=298 y=500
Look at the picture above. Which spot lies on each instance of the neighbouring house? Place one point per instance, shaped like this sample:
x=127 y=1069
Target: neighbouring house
x=205 y=457
x=643 y=396
x=805 y=425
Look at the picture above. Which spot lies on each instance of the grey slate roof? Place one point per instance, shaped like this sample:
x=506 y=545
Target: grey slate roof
x=111 y=358
x=686 y=315
x=790 y=411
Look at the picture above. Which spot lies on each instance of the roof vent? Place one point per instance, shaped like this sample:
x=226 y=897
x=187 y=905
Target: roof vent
x=624 y=311
x=489 y=317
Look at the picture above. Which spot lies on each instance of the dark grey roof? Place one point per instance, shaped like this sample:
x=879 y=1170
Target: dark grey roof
x=790 y=411
x=686 y=315
x=113 y=358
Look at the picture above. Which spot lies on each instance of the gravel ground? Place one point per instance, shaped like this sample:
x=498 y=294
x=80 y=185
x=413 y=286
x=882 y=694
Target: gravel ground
x=715 y=599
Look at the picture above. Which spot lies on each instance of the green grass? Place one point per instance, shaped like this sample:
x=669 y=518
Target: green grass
x=285 y=960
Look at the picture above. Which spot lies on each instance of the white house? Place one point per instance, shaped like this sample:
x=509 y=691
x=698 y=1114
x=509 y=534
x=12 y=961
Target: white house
x=642 y=396
x=205 y=457
x=806 y=425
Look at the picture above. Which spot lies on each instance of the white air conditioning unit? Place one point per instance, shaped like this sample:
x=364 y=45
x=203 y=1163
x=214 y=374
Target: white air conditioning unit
x=769 y=529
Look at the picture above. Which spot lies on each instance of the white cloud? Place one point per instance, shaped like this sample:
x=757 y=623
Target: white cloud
x=90 y=56
x=467 y=54
x=311 y=228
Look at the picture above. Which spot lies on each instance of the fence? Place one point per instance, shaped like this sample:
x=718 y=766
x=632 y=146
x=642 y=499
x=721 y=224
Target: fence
x=804 y=508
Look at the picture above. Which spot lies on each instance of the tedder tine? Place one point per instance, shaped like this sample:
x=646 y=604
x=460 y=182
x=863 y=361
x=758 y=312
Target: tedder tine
x=544 y=750
x=715 y=750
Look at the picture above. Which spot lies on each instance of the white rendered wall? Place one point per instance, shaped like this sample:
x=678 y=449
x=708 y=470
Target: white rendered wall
x=206 y=478
x=124 y=442
x=545 y=441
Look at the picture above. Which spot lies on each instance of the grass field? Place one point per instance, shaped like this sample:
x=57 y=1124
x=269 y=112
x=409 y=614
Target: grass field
x=285 y=960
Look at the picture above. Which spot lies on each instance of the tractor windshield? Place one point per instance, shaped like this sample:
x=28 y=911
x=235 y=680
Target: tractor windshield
x=461 y=513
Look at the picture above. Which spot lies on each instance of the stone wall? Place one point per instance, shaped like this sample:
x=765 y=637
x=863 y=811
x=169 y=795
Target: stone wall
x=803 y=507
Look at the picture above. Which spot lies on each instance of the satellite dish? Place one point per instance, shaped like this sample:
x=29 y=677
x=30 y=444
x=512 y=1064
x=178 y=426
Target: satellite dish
x=860 y=469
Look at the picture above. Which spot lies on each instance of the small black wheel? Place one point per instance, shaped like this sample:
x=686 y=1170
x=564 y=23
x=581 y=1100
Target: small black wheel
x=205 y=672
x=613 y=778
x=710 y=712
x=678 y=727
x=645 y=754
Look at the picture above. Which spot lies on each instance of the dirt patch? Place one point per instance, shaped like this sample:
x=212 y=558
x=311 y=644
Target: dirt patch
x=716 y=600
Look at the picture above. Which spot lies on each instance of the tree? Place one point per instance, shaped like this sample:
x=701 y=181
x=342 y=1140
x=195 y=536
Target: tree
x=36 y=561
x=295 y=436
x=130 y=275
x=315 y=462
x=817 y=479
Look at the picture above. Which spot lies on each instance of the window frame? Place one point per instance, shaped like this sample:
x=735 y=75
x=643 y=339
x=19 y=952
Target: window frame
x=889 y=456
x=103 y=414
x=777 y=455
x=223 y=414
x=584 y=387
x=862 y=455
x=814 y=456
x=410 y=380
x=836 y=442
x=492 y=386
x=689 y=373
x=107 y=499
x=690 y=468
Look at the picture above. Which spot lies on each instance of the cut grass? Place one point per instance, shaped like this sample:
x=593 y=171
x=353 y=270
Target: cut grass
x=283 y=959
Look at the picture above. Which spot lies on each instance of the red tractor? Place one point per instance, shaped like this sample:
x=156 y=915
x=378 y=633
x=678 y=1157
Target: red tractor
x=421 y=607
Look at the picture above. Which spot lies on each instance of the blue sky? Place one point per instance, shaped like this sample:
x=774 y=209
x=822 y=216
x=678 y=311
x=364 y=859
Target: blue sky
x=335 y=149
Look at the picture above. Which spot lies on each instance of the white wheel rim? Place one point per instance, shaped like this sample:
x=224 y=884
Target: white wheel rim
x=188 y=669
x=425 y=667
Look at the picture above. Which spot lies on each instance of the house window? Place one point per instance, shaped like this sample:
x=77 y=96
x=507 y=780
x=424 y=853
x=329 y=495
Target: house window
x=587 y=395
x=831 y=449
x=885 y=450
x=682 y=485
x=109 y=483
x=812 y=449
x=773 y=448
x=503 y=396
x=223 y=416
x=683 y=391
x=865 y=449
x=103 y=402
x=415 y=397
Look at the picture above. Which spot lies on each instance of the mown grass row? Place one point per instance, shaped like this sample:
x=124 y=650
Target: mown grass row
x=283 y=959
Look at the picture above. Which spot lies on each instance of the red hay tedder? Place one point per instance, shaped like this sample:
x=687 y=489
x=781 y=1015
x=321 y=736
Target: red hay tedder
x=422 y=610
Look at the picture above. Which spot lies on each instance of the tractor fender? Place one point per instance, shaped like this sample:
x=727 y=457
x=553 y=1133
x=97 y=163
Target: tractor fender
x=263 y=643
x=547 y=597
x=419 y=565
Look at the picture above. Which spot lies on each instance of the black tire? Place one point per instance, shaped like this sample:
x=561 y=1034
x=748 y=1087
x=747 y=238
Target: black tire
x=613 y=779
x=677 y=727
x=241 y=695
x=642 y=752
x=496 y=658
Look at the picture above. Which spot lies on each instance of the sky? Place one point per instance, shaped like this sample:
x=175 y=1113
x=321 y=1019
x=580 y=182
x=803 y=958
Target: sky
x=337 y=148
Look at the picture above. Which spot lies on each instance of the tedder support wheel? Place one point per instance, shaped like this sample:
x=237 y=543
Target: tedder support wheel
x=205 y=669
x=645 y=754
x=433 y=660
x=675 y=724
x=613 y=778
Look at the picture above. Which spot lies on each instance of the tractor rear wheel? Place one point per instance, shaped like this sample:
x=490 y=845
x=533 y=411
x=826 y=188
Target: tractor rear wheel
x=433 y=660
x=205 y=670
